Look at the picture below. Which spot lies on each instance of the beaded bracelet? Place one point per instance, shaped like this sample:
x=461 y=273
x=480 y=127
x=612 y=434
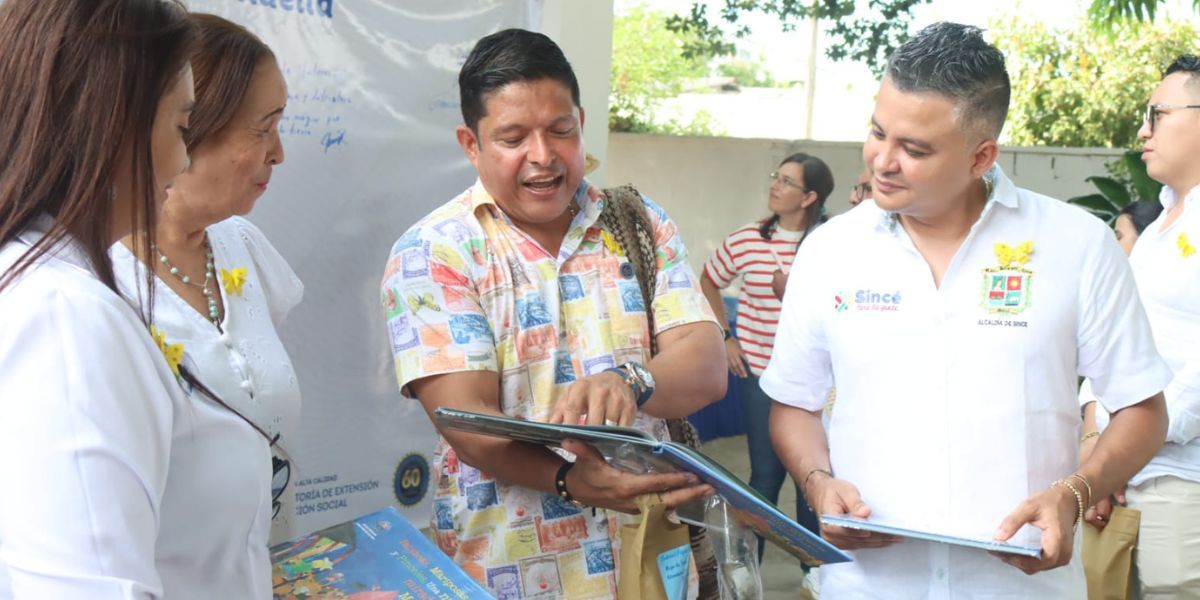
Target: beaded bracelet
x=1087 y=485
x=1078 y=498
x=1089 y=435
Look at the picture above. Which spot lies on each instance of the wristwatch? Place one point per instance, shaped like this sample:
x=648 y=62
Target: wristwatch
x=639 y=379
x=642 y=380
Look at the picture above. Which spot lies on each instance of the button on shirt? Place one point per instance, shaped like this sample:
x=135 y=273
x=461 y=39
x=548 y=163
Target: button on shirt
x=957 y=403
x=465 y=290
x=1166 y=265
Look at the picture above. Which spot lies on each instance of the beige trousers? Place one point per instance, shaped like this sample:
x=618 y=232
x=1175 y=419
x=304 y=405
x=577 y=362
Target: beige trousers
x=1168 y=550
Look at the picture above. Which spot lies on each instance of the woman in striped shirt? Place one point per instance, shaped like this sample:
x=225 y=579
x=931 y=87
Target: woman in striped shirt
x=760 y=254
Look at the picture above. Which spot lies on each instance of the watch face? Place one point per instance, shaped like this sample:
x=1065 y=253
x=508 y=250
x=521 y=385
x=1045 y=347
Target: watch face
x=642 y=373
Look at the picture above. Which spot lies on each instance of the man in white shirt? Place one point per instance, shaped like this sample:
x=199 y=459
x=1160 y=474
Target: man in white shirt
x=1167 y=269
x=973 y=305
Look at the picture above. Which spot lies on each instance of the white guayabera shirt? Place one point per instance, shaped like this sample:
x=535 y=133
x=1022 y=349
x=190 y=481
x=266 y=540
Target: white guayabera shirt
x=1166 y=264
x=955 y=403
x=117 y=484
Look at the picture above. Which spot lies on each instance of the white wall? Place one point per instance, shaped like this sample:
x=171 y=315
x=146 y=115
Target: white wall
x=583 y=29
x=711 y=186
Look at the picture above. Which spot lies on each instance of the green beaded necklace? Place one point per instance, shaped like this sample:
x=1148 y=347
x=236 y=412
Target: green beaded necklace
x=210 y=276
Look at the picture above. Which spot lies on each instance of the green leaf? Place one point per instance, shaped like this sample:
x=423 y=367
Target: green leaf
x=1113 y=190
x=1098 y=205
x=1145 y=186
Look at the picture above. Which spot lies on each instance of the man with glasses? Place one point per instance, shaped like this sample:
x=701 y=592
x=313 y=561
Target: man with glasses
x=1167 y=269
x=955 y=314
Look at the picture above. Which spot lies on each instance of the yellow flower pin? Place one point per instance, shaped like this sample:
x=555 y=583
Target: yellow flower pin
x=232 y=280
x=1009 y=255
x=1185 y=247
x=172 y=352
x=611 y=243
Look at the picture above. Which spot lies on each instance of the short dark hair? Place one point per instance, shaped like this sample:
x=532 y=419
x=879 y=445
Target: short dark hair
x=1189 y=64
x=509 y=56
x=954 y=60
x=1142 y=213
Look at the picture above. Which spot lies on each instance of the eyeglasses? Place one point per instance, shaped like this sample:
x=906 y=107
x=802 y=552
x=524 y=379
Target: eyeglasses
x=1154 y=110
x=788 y=181
x=861 y=190
x=281 y=474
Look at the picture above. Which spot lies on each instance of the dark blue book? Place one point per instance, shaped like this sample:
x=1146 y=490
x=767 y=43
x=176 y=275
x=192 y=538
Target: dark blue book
x=379 y=556
x=636 y=451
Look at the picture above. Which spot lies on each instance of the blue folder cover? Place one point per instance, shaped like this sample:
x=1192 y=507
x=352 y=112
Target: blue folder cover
x=878 y=526
x=379 y=556
x=750 y=509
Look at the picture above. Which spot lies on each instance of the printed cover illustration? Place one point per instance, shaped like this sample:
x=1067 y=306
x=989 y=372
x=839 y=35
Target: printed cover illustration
x=380 y=556
x=651 y=455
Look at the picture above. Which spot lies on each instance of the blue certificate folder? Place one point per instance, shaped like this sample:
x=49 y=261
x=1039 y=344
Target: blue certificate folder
x=376 y=556
x=633 y=450
x=869 y=524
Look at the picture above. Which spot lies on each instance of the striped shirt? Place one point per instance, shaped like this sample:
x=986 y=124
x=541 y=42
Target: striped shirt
x=745 y=254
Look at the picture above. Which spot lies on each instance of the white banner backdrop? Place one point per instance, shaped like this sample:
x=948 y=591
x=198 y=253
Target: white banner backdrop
x=369 y=142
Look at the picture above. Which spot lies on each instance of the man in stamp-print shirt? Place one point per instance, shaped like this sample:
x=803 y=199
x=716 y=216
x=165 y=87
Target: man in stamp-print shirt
x=510 y=299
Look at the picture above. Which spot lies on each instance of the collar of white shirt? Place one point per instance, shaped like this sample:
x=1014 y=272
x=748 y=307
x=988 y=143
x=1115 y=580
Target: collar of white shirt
x=1002 y=191
x=66 y=249
x=1168 y=196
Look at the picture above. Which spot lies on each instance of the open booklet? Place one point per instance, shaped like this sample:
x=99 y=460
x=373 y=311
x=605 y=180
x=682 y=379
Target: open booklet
x=636 y=451
x=885 y=527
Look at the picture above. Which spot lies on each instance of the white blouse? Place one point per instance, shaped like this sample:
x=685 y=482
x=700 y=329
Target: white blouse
x=117 y=483
x=244 y=362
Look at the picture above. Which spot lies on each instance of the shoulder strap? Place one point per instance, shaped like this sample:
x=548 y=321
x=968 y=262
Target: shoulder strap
x=624 y=217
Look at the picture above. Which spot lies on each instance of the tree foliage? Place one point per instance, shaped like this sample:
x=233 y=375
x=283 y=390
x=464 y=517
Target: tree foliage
x=1107 y=13
x=649 y=66
x=868 y=39
x=748 y=73
x=1085 y=87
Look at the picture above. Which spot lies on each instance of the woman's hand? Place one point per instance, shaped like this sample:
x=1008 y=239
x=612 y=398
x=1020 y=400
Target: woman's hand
x=779 y=283
x=735 y=358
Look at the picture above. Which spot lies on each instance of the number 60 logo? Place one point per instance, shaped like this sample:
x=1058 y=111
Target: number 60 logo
x=411 y=481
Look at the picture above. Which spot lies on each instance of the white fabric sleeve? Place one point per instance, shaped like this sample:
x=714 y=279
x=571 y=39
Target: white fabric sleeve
x=1116 y=345
x=85 y=441
x=282 y=288
x=800 y=372
x=1183 y=404
x=1085 y=393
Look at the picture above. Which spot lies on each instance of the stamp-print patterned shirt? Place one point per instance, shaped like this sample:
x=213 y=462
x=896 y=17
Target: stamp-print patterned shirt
x=466 y=290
